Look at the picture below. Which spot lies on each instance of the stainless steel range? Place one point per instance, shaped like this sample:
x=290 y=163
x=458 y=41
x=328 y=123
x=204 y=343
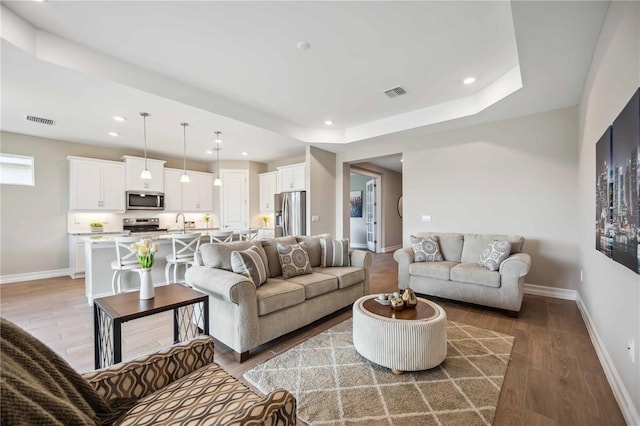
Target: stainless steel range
x=140 y=225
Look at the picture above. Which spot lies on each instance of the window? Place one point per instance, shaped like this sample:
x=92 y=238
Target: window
x=16 y=170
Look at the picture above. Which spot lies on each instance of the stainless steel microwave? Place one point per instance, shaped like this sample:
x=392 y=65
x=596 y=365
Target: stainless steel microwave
x=138 y=200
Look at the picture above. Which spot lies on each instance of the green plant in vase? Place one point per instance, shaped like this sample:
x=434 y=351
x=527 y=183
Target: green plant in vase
x=207 y=219
x=145 y=251
x=96 y=226
x=265 y=220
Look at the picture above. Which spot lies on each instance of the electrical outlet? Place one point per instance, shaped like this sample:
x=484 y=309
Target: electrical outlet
x=315 y=218
x=105 y=219
x=632 y=350
x=76 y=220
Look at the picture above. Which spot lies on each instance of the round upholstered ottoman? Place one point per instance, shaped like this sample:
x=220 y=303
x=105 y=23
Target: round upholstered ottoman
x=409 y=340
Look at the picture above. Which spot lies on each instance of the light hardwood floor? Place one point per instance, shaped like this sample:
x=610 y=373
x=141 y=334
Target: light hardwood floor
x=554 y=376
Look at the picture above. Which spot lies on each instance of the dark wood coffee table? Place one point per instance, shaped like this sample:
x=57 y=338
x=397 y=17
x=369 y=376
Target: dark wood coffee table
x=190 y=318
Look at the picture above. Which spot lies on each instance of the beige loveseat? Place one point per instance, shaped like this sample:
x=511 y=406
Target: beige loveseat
x=244 y=317
x=460 y=277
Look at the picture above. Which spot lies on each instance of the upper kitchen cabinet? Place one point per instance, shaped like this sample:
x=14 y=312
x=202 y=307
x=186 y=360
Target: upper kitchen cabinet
x=198 y=194
x=96 y=184
x=268 y=188
x=135 y=166
x=172 y=190
x=293 y=177
x=195 y=196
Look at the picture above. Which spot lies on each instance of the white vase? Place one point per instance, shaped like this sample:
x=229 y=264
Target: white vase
x=146 y=284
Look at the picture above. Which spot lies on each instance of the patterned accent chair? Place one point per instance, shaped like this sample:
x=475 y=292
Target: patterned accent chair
x=177 y=385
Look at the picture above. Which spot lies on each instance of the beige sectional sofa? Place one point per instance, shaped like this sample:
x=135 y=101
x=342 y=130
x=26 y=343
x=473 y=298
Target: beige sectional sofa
x=243 y=316
x=460 y=277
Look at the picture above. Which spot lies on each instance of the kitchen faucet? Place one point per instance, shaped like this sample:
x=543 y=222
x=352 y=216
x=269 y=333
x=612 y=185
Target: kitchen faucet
x=183 y=220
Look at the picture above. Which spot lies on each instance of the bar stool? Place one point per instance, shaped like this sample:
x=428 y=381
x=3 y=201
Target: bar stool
x=248 y=234
x=126 y=260
x=220 y=237
x=184 y=247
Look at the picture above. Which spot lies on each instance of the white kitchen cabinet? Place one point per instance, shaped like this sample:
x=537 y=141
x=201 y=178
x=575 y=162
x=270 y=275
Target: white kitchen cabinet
x=76 y=257
x=268 y=188
x=195 y=196
x=135 y=166
x=293 y=177
x=96 y=184
x=198 y=194
x=172 y=190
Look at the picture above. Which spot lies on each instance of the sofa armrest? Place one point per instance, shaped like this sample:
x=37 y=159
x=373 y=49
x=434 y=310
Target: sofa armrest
x=219 y=283
x=144 y=375
x=362 y=259
x=277 y=408
x=516 y=265
x=404 y=257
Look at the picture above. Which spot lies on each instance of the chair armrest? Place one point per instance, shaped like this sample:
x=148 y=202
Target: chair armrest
x=149 y=373
x=518 y=265
x=404 y=257
x=362 y=259
x=219 y=283
x=277 y=408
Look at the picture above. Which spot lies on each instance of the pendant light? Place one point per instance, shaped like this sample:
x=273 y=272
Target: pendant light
x=217 y=181
x=145 y=174
x=185 y=177
x=218 y=137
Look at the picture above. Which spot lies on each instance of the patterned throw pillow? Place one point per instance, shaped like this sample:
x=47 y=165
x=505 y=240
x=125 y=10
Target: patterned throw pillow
x=426 y=249
x=494 y=253
x=334 y=253
x=249 y=262
x=294 y=260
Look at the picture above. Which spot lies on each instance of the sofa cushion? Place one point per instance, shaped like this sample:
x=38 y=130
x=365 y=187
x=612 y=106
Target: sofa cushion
x=334 y=252
x=314 y=249
x=278 y=294
x=494 y=254
x=270 y=247
x=438 y=270
x=426 y=249
x=315 y=284
x=219 y=255
x=294 y=260
x=347 y=275
x=474 y=244
x=203 y=396
x=250 y=263
x=474 y=274
x=450 y=244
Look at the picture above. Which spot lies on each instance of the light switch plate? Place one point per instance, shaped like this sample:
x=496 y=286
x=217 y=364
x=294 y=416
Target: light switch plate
x=315 y=218
x=426 y=218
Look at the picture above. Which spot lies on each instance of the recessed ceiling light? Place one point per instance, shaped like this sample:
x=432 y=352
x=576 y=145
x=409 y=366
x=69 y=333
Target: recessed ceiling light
x=469 y=80
x=328 y=122
x=303 y=45
x=114 y=134
x=402 y=160
x=209 y=151
x=118 y=118
x=245 y=153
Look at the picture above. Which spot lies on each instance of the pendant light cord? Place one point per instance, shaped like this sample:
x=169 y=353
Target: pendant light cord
x=144 y=121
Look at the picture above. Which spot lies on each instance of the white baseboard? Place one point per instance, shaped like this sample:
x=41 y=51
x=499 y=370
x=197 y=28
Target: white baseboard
x=390 y=249
x=30 y=276
x=558 y=293
x=620 y=392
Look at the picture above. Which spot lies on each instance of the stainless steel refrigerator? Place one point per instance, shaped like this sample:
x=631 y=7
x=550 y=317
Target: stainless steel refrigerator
x=291 y=213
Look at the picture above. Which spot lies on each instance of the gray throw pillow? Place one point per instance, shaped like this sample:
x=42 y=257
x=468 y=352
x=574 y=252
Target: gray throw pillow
x=494 y=253
x=334 y=253
x=294 y=260
x=426 y=249
x=250 y=263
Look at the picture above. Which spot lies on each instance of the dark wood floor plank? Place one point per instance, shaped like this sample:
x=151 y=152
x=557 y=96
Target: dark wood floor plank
x=553 y=378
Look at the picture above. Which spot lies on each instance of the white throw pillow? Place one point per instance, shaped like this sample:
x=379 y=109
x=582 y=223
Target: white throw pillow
x=494 y=254
x=426 y=249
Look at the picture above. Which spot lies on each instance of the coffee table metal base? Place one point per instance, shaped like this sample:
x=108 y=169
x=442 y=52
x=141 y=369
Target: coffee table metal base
x=401 y=345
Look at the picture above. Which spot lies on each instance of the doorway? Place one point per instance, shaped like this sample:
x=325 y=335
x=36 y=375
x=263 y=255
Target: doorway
x=365 y=211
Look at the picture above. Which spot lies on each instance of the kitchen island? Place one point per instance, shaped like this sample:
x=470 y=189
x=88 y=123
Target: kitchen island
x=100 y=252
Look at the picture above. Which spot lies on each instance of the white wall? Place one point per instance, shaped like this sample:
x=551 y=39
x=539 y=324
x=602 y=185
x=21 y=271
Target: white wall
x=321 y=178
x=610 y=293
x=517 y=176
x=358 y=228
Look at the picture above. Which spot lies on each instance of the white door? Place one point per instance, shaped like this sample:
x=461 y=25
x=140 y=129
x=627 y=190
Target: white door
x=234 y=195
x=370 y=214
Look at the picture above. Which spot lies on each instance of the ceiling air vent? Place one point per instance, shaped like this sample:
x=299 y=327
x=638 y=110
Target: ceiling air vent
x=41 y=120
x=396 y=91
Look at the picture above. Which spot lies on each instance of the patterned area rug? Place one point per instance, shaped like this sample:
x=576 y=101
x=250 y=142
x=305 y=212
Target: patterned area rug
x=334 y=385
